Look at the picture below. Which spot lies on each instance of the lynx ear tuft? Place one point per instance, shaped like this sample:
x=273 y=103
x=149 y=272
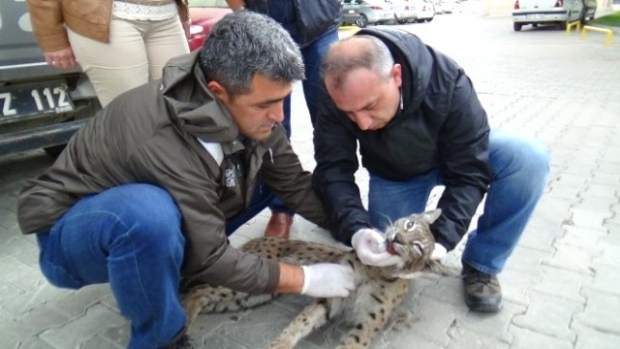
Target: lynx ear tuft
x=432 y=215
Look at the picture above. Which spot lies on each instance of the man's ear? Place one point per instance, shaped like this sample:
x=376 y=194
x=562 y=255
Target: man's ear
x=218 y=90
x=396 y=73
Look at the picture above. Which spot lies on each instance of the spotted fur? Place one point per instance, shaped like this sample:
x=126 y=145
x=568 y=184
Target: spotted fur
x=368 y=308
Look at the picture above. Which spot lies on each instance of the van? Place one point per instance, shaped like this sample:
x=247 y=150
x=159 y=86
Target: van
x=554 y=12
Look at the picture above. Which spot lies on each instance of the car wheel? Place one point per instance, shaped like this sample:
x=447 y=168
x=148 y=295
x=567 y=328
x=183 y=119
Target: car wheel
x=54 y=151
x=362 y=21
x=563 y=25
x=582 y=16
x=534 y=25
x=430 y=19
x=517 y=26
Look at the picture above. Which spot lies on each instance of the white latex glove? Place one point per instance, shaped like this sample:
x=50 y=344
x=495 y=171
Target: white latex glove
x=371 y=248
x=438 y=252
x=327 y=280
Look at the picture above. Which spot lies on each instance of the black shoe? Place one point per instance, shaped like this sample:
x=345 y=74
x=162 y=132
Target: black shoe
x=482 y=291
x=180 y=343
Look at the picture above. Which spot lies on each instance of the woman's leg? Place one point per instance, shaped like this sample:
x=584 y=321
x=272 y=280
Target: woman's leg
x=164 y=40
x=113 y=67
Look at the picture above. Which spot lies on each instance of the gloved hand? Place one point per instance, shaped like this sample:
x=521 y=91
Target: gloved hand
x=371 y=248
x=438 y=252
x=327 y=280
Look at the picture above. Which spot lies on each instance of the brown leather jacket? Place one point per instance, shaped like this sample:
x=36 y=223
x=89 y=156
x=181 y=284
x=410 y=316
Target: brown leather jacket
x=90 y=18
x=150 y=135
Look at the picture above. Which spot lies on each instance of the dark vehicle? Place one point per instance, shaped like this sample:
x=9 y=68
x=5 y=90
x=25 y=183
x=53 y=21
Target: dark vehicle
x=40 y=107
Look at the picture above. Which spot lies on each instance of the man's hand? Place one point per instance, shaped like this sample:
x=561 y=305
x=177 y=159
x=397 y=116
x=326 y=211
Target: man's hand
x=438 y=252
x=62 y=59
x=371 y=248
x=186 y=28
x=328 y=280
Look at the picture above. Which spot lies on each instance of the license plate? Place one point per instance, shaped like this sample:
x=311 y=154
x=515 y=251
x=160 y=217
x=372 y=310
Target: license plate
x=351 y=11
x=35 y=99
x=534 y=16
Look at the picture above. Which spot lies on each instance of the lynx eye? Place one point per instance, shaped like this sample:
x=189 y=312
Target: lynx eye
x=419 y=247
x=409 y=224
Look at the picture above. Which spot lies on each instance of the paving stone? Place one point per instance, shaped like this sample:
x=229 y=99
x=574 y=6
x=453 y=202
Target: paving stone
x=528 y=339
x=525 y=259
x=83 y=329
x=432 y=319
x=35 y=322
x=465 y=339
x=587 y=239
x=606 y=280
x=610 y=256
x=256 y=329
x=564 y=284
x=34 y=343
x=550 y=316
x=448 y=290
x=606 y=178
x=588 y=339
x=601 y=312
x=76 y=303
x=492 y=327
x=515 y=285
x=22 y=248
x=589 y=218
x=117 y=335
x=571 y=258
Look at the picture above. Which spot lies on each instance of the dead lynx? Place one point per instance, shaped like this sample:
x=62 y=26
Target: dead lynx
x=378 y=292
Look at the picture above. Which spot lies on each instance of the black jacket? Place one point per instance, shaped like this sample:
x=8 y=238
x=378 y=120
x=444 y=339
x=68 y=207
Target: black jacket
x=305 y=20
x=442 y=125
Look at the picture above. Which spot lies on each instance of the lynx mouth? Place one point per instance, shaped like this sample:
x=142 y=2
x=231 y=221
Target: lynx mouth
x=390 y=248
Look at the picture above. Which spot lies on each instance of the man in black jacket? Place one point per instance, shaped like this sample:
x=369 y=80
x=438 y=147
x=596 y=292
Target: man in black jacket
x=419 y=124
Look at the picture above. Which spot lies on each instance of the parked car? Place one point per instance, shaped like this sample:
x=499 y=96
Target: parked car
x=589 y=11
x=364 y=12
x=424 y=10
x=40 y=107
x=403 y=11
x=444 y=6
x=204 y=14
x=554 y=12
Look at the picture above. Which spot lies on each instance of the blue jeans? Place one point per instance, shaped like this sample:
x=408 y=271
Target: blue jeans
x=131 y=237
x=312 y=55
x=519 y=170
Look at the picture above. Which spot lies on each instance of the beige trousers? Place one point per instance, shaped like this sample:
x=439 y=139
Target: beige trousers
x=135 y=55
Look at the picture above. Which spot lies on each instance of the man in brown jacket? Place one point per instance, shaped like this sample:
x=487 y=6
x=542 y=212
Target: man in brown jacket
x=146 y=194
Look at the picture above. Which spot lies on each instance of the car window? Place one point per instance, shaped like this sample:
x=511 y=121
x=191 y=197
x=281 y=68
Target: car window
x=208 y=3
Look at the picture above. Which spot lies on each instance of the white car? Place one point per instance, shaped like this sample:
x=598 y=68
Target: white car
x=557 y=12
x=424 y=10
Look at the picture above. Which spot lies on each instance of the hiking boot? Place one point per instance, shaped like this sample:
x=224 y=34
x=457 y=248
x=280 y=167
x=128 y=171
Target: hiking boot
x=180 y=343
x=482 y=291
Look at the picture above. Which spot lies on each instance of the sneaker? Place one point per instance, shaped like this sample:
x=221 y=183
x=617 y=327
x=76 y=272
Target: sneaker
x=482 y=291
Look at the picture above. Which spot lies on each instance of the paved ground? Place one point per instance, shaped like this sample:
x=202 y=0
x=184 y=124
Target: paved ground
x=561 y=287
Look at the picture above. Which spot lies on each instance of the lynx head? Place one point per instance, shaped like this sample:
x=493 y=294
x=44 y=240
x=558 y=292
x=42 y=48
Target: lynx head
x=411 y=238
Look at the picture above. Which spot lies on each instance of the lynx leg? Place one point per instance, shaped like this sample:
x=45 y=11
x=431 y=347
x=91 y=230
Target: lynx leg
x=364 y=332
x=312 y=317
x=206 y=299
